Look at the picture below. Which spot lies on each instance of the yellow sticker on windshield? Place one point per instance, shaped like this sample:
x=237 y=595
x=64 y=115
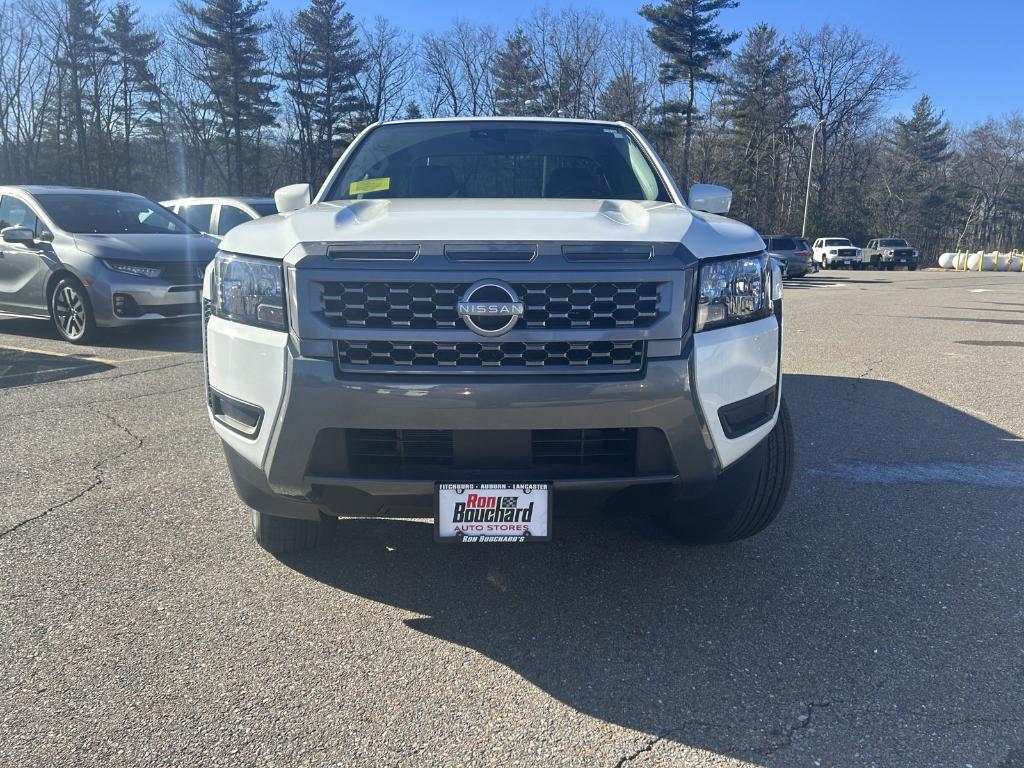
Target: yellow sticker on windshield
x=369 y=185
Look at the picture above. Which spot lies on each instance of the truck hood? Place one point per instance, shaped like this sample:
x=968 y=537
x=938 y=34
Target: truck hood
x=483 y=220
x=161 y=248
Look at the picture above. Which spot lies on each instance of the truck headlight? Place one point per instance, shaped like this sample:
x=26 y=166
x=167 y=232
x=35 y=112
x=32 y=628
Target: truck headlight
x=888 y=252
x=249 y=290
x=732 y=291
x=833 y=252
x=138 y=269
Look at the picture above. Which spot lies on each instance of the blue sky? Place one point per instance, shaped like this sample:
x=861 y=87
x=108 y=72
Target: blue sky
x=968 y=56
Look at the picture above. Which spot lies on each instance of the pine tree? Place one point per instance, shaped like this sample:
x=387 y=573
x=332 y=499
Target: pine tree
x=130 y=48
x=688 y=33
x=916 y=190
x=329 y=96
x=413 y=111
x=227 y=33
x=924 y=138
x=518 y=82
x=77 y=42
x=624 y=98
x=759 y=106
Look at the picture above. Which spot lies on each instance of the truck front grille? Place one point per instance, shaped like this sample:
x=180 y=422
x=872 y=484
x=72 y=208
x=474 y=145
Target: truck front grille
x=183 y=272
x=497 y=356
x=565 y=452
x=430 y=306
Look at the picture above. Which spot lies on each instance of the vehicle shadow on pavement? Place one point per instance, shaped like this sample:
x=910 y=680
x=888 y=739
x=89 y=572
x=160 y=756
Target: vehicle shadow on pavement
x=826 y=280
x=169 y=336
x=883 y=607
x=19 y=368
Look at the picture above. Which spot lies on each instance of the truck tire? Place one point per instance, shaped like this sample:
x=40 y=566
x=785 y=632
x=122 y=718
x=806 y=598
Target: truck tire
x=737 y=508
x=911 y=267
x=281 y=535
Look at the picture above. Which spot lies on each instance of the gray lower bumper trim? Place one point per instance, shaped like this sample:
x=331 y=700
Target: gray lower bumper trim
x=426 y=487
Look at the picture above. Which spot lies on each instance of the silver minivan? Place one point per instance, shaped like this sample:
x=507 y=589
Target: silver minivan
x=93 y=258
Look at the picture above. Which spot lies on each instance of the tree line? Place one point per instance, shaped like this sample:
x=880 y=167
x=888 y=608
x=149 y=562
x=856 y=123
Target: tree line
x=231 y=97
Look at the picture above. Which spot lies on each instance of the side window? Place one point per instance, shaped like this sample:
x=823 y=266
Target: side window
x=230 y=217
x=15 y=213
x=197 y=215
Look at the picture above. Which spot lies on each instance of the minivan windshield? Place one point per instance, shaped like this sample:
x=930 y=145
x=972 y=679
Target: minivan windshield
x=82 y=213
x=492 y=158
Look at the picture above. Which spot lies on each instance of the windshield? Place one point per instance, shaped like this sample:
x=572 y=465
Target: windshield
x=838 y=241
x=264 y=209
x=82 y=213
x=782 y=244
x=487 y=159
x=892 y=243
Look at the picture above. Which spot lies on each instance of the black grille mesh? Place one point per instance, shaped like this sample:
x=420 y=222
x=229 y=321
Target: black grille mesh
x=497 y=355
x=429 y=306
x=398 y=452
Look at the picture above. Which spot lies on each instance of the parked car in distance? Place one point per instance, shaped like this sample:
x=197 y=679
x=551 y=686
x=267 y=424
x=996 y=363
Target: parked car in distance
x=90 y=258
x=475 y=316
x=219 y=215
x=793 y=251
x=832 y=252
x=889 y=253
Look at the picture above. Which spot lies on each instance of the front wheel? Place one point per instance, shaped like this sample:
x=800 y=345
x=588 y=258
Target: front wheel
x=911 y=267
x=71 y=311
x=747 y=496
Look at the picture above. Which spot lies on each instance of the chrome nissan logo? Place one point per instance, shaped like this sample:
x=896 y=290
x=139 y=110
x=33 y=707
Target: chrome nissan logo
x=490 y=308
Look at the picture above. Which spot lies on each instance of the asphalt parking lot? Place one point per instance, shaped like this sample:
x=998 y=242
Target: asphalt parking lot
x=879 y=622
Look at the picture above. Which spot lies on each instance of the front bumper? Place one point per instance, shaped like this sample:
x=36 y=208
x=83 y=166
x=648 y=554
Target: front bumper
x=843 y=261
x=120 y=300
x=298 y=457
x=797 y=268
x=899 y=260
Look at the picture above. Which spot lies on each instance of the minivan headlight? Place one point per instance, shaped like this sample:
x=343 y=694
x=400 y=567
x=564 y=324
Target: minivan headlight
x=133 y=268
x=734 y=291
x=249 y=290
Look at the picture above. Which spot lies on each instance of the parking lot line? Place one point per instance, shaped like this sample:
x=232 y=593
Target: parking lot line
x=88 y=358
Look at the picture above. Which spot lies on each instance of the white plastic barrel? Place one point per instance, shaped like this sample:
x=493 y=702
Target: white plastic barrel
x=947 y=260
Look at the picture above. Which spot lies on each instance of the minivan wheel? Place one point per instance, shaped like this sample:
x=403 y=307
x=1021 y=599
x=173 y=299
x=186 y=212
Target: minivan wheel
x=746 y=498
x=281 y=535
x=71 y=311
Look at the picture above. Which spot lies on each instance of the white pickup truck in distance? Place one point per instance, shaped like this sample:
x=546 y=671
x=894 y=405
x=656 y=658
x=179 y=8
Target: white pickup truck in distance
x=833 y=252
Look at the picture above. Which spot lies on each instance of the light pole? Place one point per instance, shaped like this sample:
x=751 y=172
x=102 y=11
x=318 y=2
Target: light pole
x=810 y=165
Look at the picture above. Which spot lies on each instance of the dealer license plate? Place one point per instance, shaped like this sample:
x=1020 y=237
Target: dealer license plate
x=492 y=512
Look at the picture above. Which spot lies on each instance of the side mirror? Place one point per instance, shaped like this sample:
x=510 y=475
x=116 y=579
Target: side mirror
x=292 y=198
x=710 y=198
x=22 y=235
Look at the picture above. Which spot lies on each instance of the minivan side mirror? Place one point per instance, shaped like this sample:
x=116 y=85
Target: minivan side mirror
x=292 y=198
x=710 y=198
x=22 y=235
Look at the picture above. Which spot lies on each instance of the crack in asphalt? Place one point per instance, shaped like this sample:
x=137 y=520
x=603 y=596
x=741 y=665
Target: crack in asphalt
x=87 y=403
x=661 y=736
x=99 y=474
x=802 y=722
x=647 y=747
